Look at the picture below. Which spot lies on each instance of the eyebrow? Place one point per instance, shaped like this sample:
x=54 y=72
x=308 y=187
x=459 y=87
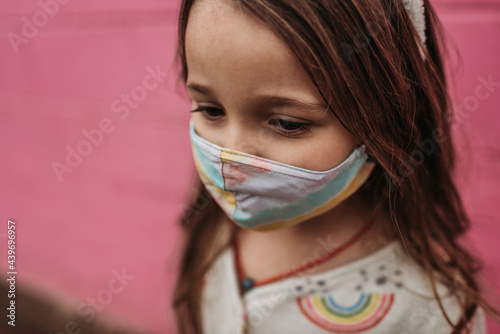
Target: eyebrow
x=199 y=88
x=271 y=100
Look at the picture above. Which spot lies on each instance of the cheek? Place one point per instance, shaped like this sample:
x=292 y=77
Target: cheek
x=323 y=151
x=202 y=130
x=331 y=154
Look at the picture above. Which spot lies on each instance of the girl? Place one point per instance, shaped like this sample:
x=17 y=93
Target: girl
x=320 y=130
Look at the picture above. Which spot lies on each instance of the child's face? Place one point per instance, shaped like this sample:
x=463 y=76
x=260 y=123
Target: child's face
x=249 y=73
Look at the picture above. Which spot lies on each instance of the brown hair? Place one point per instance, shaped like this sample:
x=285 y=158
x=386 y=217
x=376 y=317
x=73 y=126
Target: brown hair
x=364 y=59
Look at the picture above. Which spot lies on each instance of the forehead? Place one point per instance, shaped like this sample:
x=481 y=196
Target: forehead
x=229 y=49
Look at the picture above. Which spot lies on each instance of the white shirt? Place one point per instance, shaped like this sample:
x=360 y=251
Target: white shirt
x=384 y=292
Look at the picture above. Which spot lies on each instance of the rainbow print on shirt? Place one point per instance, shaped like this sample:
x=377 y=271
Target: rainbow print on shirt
x=365 y=313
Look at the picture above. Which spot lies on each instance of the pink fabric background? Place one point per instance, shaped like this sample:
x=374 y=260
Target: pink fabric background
x=117 y=208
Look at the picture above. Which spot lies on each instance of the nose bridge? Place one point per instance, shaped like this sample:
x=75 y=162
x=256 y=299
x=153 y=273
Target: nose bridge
x=241 y=137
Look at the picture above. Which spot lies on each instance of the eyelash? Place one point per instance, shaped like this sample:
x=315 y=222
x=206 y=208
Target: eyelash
x=204 y=111
x=300 y=127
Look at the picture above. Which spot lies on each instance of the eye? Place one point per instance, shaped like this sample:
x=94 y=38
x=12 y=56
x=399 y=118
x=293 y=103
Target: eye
x=289 y=127
x=210 y=112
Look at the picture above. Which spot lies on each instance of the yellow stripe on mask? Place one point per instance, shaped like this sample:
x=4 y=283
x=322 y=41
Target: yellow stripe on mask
x=351 y=188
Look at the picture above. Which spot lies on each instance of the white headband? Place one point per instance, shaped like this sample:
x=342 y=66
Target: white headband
x=416 y=11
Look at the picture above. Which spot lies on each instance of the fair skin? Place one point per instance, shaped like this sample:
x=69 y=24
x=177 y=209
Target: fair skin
x=242 y=72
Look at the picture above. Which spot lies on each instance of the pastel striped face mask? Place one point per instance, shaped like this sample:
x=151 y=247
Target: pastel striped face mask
x=263 y=194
